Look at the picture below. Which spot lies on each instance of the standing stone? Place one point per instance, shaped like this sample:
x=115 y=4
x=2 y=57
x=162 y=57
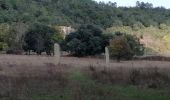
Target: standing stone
x=107 y=56
x=57 y=53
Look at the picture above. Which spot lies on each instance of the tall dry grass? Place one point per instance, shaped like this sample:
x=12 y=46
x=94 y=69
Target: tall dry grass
x=23 y=77
x=153 y=77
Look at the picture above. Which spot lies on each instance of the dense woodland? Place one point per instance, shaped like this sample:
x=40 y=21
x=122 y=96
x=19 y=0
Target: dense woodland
x=19 y=19
x=77 y=12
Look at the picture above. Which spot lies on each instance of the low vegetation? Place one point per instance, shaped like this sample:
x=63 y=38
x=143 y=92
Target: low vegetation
x=85 y=83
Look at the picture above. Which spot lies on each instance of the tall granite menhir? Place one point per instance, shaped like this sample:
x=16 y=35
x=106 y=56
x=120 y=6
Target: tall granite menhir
x=57 y=53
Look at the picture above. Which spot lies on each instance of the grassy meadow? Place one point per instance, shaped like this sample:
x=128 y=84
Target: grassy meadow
x=74 y=79
x=33 y=32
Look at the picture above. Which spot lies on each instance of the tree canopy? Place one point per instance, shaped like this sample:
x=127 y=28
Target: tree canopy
x=17 y=16
x=78 y=12
x=87 y=41
x=125 y=46
x=40 y=38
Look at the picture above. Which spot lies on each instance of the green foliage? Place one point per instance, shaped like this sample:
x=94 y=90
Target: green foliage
x=1 y=46
x=143 y=5
x=162 y=26
x=40 y=38
x=166 y=38
x=125 y=46
x=156 y=39
x=80 y=85
x=137 y=26
x=119 y=48
x=135 y=45
x=88 y=40
x=10 y=35
x=4 y=30
x=77 y=12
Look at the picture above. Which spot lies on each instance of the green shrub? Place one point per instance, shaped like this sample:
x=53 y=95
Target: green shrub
x=125 y=46
x=162 y=26
x=3 y=46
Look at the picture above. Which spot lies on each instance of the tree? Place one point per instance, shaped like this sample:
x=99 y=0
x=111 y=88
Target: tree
x=74 y=13
x=119 y=48
x=88 y=40
x=125 y=46
x=40 y=38
x=143 y=5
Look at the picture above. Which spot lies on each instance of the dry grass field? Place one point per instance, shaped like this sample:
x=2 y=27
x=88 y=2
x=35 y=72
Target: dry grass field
x=13 y=64
x=34 y=77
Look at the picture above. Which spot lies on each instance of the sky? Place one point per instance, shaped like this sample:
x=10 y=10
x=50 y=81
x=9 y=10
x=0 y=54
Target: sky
x=156 y=3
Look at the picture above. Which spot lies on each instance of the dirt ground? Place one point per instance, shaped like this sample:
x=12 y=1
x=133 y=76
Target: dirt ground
x=19 y=64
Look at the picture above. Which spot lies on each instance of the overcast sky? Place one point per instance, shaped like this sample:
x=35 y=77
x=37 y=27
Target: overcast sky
x=165 y=3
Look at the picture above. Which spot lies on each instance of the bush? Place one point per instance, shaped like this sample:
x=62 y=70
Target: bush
x=1 y=46
x=137 y=26
x=17 y=52
x=162 y=26
x=125 y=46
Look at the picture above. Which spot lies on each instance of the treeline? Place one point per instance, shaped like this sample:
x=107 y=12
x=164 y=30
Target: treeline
x=78 y=12
x=29 y=25
x=89 y=40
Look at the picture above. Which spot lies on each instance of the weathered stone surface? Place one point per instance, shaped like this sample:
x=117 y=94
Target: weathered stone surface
x=57 y=53
x=107 y=56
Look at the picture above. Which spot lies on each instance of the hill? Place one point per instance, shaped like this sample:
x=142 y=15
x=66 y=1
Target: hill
x=16 y=16
x=77 y=12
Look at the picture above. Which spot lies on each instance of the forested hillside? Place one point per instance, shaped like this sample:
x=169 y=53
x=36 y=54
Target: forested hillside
x=18 y=17
x=76 y=12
